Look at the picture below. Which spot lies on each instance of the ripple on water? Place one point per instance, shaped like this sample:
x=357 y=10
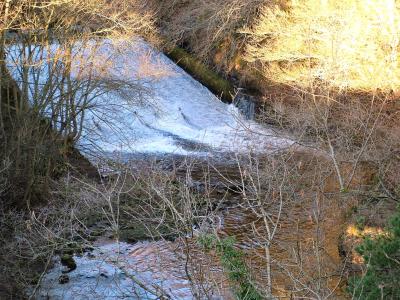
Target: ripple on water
x=122 y=271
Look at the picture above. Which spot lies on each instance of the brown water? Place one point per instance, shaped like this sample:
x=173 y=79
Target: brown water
x=304 y=254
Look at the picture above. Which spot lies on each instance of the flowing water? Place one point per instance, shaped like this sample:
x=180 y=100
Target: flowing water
x=176 y=115
x=112 y=270
x=161 y=111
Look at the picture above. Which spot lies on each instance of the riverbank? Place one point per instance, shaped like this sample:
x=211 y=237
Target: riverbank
x=354 y=126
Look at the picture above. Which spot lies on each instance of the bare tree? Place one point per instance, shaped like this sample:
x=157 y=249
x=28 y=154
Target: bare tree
x=53 y=68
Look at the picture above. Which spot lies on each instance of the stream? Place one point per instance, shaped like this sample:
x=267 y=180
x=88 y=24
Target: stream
x=163 y=112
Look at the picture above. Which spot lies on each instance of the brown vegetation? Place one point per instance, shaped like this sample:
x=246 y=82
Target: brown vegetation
x=51 y=49
x=43 y=100
x=325 y=71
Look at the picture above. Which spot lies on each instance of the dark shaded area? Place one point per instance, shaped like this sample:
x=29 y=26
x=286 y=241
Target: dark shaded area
x=219 y=86
x=34 y=152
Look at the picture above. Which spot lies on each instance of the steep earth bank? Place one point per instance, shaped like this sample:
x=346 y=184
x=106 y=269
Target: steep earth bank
x=364 y=123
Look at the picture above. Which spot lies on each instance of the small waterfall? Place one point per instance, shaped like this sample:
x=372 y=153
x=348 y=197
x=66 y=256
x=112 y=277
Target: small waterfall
x=170 y=114
x=246 y=105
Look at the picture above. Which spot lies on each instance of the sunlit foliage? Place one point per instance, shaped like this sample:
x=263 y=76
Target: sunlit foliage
x=343 y=43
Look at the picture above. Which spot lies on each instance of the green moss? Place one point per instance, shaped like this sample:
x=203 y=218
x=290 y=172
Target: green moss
x=207 y=241
x=207 y=77
x=72 y=248
x=138 y=232
x=68 y=261
x=232 y=260
x=360 y=222
x=132 y=235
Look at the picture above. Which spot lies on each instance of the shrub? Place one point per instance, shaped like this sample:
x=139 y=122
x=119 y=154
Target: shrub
x=382 y=259
x=233 y=263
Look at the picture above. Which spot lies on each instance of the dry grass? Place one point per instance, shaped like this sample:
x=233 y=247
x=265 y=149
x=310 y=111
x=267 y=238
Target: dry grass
x=347 y=44
x=206 y=26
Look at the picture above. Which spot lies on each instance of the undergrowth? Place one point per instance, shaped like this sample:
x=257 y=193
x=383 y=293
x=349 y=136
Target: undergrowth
x=382 y=265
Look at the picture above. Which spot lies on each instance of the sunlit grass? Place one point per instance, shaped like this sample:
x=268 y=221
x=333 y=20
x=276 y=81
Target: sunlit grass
x=347 y=44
